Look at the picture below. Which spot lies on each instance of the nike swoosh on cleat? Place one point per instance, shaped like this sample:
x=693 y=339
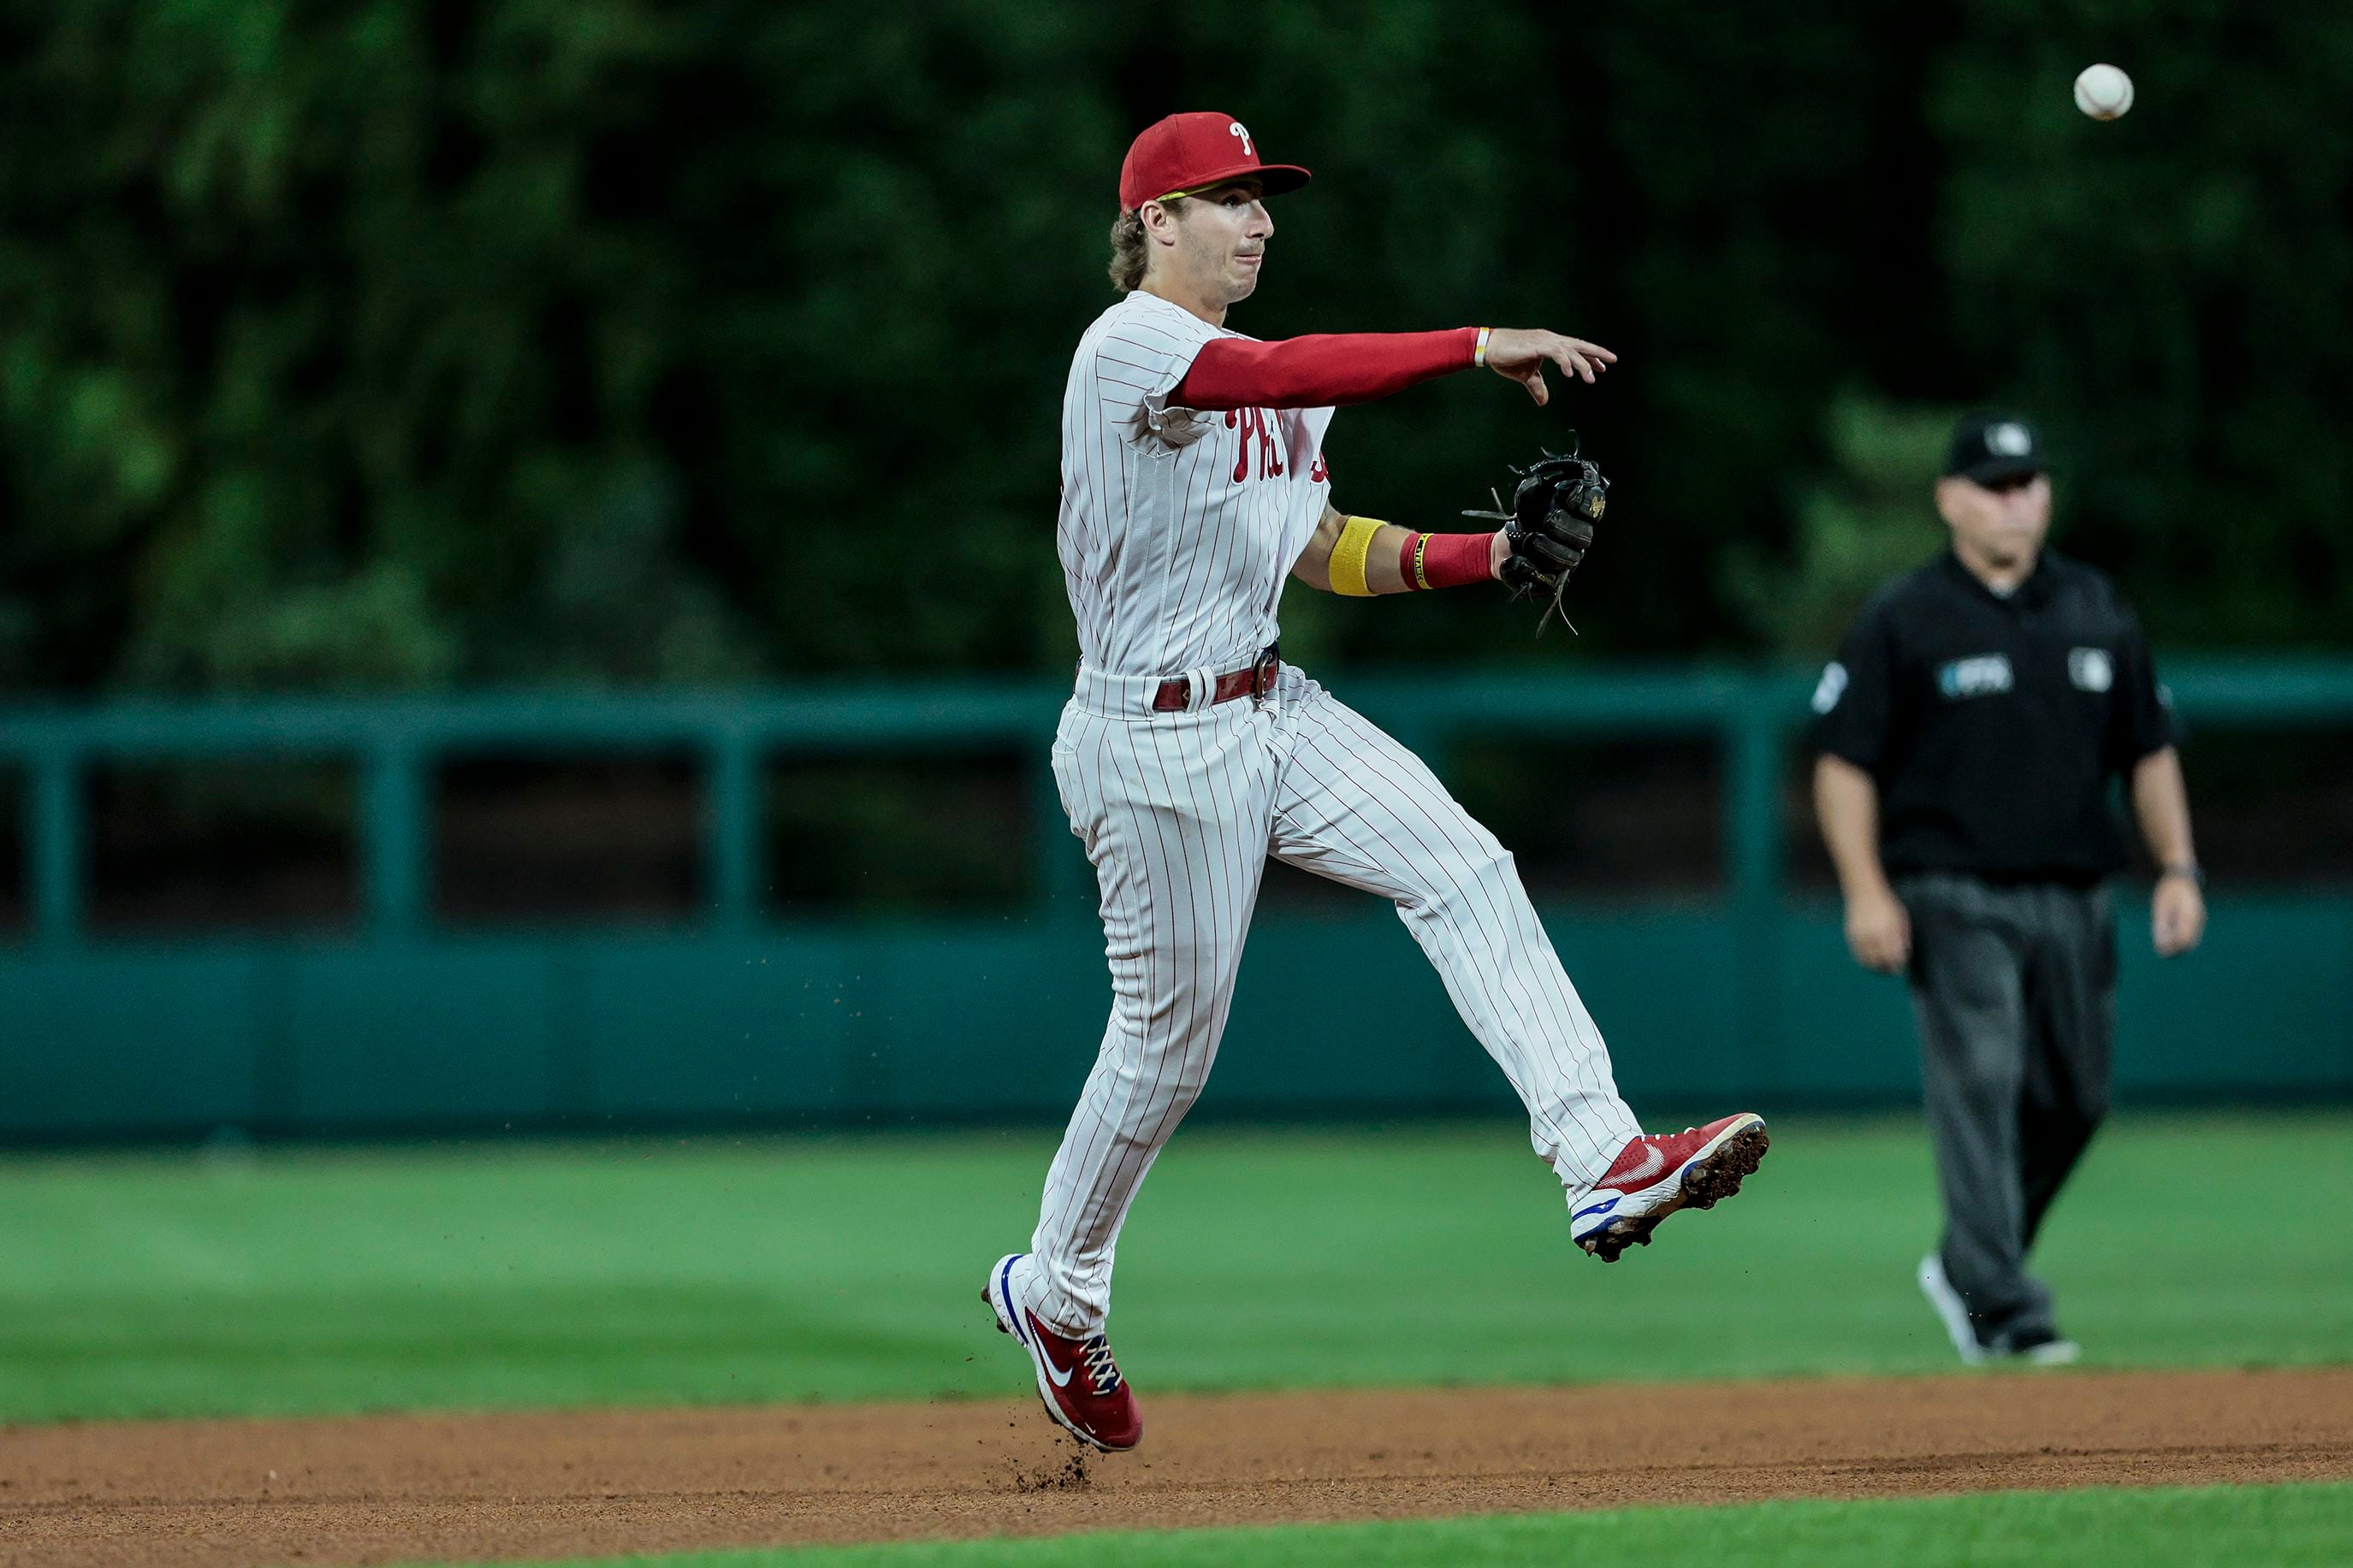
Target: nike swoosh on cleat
x=1652 y=1163
x=1597 y=1209
x=1061 y=1379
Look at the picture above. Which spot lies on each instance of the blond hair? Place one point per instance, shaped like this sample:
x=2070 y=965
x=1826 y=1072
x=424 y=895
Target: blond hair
x=1130 y=247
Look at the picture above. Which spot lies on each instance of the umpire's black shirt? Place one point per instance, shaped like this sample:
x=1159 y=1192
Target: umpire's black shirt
x=1992 y=723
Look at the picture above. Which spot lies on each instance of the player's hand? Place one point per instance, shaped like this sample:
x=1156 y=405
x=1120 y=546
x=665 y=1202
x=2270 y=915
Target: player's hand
x=1520 y=353
x=1879 y=931
x=2177 y=915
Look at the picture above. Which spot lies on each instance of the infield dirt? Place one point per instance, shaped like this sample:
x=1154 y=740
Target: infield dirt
x=467 y=1487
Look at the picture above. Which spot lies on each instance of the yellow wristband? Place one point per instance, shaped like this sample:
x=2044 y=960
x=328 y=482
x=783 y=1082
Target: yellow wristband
x=1479 y=353
x=1348 y=558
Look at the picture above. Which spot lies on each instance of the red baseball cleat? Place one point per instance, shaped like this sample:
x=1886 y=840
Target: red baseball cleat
x=1660 y=1173
x=1078 y=1382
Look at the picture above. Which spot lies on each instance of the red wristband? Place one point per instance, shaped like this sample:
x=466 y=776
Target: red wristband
x=1446 y=560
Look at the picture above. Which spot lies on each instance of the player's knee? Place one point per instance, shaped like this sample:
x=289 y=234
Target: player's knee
x=1497 y=874
x=1485 y=880
x=1184 y=1086
x=1167 y=1034
x=1169 y=1081
x=1498 y=864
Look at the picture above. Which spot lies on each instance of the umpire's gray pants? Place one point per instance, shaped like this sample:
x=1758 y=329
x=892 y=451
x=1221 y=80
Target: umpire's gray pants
x=2014 y=987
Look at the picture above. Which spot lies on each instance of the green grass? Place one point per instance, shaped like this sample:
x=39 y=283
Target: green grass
x=2275 y=1527
x=535 y=1275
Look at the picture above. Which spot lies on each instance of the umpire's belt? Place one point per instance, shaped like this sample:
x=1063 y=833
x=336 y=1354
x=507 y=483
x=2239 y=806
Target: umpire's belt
x=1255 y=679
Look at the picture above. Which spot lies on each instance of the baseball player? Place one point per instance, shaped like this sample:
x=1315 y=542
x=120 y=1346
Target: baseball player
x=1194 y=481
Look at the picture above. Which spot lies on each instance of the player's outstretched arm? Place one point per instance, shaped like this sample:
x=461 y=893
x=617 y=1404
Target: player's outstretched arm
x=1337 y=370
x=1361 y=556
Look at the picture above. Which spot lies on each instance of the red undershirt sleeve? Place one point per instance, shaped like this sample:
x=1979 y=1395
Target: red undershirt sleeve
x=1324 y=371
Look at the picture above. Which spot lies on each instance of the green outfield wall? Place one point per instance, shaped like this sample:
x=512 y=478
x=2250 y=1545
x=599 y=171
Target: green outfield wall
x=730 y=1015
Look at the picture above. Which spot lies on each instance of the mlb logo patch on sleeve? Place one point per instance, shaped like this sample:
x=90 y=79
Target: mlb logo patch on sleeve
x=1982 y=675
x=2090 y=669
x=1832 y=687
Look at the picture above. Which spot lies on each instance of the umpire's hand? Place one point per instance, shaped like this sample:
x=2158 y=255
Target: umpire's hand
x=1878 y=931
x=2177 y=914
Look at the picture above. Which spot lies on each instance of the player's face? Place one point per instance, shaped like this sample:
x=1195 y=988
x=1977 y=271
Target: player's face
x=1221 y=240
x=2001 y=525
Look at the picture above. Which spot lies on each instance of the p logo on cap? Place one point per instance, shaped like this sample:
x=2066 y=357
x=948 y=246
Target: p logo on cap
x=1189 y=152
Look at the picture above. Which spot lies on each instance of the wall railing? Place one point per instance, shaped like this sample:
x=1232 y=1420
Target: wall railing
x=1753 y=715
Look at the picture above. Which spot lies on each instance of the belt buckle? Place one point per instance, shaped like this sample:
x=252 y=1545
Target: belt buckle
x=1265 y=673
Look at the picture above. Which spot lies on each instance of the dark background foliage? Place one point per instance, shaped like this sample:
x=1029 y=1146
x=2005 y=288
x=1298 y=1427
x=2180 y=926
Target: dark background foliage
x=366 y=344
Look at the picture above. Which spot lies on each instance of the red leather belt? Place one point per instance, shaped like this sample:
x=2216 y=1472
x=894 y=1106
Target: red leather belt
x=1250 y=680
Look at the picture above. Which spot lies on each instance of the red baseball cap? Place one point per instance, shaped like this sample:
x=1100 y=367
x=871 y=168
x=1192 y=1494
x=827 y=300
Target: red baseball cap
x=1187 y=153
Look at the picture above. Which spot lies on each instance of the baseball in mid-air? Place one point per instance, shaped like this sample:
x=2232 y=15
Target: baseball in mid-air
x=2104 y=92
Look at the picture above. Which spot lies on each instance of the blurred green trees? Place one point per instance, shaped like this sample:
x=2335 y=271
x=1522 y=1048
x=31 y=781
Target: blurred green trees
x=390 y=344
x=1862 y=524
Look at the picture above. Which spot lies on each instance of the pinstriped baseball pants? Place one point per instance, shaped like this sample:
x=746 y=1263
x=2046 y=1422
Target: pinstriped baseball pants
x=1178 y=813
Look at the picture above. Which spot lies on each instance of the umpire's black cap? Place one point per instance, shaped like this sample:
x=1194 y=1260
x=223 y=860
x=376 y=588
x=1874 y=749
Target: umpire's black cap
x=1992 y=446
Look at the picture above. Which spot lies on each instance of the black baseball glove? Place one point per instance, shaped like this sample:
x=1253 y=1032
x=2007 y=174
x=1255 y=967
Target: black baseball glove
x=1549 y=525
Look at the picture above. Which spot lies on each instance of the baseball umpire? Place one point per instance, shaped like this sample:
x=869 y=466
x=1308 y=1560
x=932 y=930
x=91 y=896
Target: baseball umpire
x=1968 y=734
x=1194 y=483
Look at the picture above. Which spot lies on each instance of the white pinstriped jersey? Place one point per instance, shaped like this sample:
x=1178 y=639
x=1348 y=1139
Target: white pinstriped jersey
x=1177 y=528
